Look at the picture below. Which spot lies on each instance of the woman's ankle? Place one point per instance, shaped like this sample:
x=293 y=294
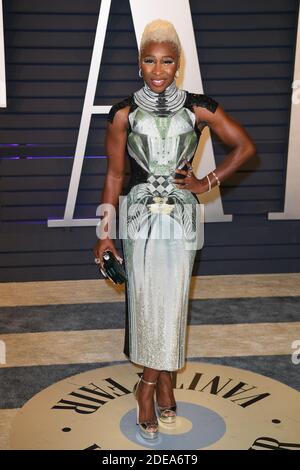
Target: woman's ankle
x=166 y=399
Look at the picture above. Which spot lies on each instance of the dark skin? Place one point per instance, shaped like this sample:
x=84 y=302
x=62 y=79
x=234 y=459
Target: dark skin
x=160 y=61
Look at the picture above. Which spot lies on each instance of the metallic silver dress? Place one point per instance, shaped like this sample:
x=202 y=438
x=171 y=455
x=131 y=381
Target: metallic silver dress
x=158 y=231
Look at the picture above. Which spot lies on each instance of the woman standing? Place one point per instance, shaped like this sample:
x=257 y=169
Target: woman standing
x=160 y=126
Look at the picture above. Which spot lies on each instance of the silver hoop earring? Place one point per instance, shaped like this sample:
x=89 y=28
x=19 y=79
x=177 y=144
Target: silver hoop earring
x=177 y=73
x=140 y=74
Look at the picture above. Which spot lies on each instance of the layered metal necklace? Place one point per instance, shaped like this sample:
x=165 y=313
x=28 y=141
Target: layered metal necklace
x=161 y=104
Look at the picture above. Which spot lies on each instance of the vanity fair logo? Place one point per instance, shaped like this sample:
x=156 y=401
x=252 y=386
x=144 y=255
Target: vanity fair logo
x=218 y=408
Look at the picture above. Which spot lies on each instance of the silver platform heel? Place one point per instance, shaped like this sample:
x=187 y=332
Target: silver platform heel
x=167 y=414
x=145 y=425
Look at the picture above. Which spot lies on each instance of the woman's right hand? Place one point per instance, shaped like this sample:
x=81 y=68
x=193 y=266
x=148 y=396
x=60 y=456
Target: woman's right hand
x=102 y=246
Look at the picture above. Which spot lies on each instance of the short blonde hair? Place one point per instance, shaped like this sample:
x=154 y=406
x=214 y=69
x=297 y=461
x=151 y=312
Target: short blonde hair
x=160 y=31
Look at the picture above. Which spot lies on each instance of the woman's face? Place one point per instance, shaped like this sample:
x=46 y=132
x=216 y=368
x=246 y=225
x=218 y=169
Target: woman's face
x=159 y=62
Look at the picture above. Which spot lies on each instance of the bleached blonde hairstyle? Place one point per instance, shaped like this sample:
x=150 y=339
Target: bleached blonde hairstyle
x=160 y=31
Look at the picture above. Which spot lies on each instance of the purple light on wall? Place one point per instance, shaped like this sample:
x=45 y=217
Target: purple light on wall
x=32 y=157
x=10 y=158
x=9 y=145
x=35 y=157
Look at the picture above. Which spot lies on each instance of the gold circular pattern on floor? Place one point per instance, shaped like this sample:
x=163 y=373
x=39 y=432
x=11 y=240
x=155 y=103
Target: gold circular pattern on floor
x=219 y=407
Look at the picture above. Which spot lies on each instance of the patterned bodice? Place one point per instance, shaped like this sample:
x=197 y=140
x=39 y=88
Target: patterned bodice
x=159 y=145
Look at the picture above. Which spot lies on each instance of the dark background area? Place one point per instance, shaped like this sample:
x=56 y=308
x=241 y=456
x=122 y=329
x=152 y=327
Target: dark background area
x=246 y=53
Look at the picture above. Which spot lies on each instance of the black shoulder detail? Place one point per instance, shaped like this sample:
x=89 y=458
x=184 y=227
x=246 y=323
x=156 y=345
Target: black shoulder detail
x=198 y=99
x=129 y=101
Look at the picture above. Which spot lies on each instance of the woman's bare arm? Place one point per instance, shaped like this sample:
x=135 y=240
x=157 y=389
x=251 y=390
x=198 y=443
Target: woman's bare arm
x=230 y=133
x=115 y=146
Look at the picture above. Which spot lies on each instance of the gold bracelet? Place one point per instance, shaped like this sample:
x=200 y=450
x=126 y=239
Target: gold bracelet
x=218 y=181
x=209 y=183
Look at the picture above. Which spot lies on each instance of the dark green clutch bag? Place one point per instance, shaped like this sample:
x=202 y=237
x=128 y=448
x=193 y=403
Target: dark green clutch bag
x=113 y=269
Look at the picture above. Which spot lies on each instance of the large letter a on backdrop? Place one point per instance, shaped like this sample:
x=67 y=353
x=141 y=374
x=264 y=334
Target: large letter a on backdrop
x=143 y=11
